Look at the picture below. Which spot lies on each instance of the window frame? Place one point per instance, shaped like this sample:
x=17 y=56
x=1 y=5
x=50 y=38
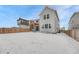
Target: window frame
x=47 y=16
x=49 y=25
x=46 y=26
x=44 y=17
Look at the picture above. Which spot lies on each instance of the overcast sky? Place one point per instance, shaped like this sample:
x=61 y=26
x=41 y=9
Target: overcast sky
x=9 y=14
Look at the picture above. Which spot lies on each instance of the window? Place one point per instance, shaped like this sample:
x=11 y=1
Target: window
x=47 y=16
x=44 y=17
x=49 y=25
x=46 y=25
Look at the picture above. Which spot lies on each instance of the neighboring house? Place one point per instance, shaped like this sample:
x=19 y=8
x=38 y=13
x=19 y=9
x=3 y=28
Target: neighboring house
x=49 y=21
x=74 y=21
x=28 y=24
x=34 y=24
x=22 y=23
x=74 y=26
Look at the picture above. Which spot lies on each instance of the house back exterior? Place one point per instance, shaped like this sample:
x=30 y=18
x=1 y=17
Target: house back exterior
x=49 y=21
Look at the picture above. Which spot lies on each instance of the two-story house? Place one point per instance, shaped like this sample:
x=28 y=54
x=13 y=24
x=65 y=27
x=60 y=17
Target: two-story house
x=49 y=21
x=22 y=23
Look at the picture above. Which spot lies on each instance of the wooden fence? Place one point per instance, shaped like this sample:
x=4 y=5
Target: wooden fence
x=13 y=30
x=68 y=32
x=73 y=33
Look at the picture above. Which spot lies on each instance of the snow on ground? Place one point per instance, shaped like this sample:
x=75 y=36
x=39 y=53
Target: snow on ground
x=34 y=42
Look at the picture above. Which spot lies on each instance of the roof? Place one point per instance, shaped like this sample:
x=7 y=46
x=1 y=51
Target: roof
x=73 y=16
x=57 y=15
x=27 y=20
x=47 y=8
x=22 y=19
x=51 y=10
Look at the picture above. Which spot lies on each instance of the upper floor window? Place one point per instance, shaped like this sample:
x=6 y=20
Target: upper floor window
x=47 y=16
x=44 y=17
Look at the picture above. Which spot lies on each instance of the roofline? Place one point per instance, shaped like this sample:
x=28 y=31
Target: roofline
x=48 y=8
x=28 y=20
x=51 y=10
x=57 y=15
x=21 y=19
x=73 y=16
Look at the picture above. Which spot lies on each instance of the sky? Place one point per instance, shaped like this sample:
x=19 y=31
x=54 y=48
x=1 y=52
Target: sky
x=10 y=13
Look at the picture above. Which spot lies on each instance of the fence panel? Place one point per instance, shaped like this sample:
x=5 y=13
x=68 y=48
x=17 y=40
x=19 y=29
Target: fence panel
x=73 y=33
x=13 y=30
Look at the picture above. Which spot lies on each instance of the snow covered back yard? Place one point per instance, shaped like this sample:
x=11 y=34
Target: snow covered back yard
x=35 y=43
